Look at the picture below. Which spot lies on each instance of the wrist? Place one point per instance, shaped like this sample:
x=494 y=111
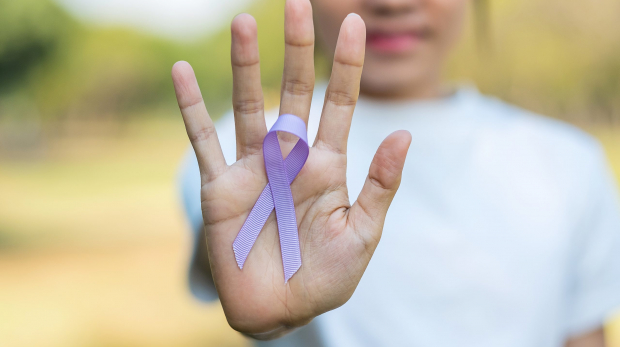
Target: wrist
x=270 y=335
x=268 y=332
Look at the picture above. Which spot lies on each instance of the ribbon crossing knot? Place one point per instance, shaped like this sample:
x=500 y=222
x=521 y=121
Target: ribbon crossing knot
x=277 y=194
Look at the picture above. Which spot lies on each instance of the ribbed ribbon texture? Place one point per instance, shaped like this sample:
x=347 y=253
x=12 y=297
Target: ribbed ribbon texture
x=277 y=194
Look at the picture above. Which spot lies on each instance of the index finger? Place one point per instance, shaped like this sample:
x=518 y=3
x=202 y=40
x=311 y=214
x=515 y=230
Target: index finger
x=344 y=84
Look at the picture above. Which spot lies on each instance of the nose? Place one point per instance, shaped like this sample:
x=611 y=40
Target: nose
x=389 y=8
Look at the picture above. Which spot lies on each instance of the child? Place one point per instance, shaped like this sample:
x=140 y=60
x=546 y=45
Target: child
x=505 y=230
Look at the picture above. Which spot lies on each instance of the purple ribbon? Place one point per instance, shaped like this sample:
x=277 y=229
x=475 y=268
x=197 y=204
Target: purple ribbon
x=280 y=173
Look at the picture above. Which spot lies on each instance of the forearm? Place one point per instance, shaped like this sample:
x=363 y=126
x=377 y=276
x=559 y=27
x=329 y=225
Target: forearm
x=270 y=335
x=595 y=338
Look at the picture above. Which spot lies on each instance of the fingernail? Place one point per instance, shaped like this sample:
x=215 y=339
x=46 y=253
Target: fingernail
x=353 y=15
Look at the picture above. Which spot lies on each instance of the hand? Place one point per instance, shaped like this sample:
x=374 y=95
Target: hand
x=337 y=240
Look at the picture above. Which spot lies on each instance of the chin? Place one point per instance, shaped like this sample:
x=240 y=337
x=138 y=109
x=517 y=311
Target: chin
x=391 y=82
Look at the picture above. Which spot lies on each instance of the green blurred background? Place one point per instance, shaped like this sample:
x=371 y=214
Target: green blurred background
x=93 y=245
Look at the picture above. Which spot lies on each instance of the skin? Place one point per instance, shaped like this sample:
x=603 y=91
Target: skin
x=337 y=239
x=415 y=73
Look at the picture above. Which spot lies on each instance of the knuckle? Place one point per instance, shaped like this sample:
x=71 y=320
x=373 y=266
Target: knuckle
x=348 y=62
x=299 y=43
x=297 y=87
x=333 y=148
x=249 y=149
x=243 y=63
x=248 y=106
x=385 y=180
x=202 y=134
x=340 y=98
x=190 y=102
x=375 y=182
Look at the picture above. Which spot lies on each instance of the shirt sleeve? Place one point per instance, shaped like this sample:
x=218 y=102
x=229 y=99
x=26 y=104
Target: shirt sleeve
x=594 y=292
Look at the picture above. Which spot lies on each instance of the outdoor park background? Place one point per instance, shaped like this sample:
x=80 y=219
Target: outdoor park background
x=93 y=245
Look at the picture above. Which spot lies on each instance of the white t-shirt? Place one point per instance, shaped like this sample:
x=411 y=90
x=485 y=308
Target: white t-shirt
x=505 y=230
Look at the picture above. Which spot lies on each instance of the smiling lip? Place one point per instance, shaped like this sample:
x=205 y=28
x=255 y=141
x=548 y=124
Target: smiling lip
x=392 y=43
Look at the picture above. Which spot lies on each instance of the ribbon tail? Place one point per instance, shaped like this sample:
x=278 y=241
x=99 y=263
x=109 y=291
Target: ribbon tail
x=252 y=226
x=283 y=203
x=291 y=258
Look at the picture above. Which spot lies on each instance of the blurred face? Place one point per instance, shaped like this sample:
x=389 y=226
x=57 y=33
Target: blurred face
x=407 y=41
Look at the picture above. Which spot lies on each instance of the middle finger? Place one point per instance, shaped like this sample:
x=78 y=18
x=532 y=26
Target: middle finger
x=298 y=76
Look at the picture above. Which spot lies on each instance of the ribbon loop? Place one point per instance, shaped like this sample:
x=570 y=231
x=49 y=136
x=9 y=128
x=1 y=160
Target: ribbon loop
x=277 y=194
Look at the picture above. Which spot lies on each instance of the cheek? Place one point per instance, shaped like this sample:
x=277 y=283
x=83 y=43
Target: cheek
x=449 y=16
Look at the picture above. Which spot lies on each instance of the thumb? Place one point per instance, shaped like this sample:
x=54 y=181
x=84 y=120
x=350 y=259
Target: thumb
x=381 y=185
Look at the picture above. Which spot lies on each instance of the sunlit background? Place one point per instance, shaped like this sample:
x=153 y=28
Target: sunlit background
x=93 y=244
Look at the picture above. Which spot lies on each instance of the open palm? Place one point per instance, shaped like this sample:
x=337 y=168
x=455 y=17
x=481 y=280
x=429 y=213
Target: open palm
x=337 y=239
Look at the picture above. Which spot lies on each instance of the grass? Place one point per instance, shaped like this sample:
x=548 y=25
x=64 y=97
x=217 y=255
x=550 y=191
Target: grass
x=94 y=247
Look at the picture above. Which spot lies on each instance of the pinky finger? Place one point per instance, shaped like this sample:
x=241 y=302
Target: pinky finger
x=199 y=126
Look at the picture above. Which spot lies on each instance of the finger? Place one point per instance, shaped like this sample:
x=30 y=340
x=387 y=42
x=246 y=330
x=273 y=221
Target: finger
x=198 y=124
x=380 y=187
x=298 y=77
x=343 y=89
x=247 y=91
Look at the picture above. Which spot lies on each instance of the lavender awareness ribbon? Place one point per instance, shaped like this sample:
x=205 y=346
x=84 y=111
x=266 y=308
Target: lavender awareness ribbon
x=280 y=173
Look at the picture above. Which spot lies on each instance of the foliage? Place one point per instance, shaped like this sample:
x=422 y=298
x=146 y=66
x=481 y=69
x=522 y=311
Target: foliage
x=552 y=56
x=57 y=69
x=30 y=30
x=548 y=56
